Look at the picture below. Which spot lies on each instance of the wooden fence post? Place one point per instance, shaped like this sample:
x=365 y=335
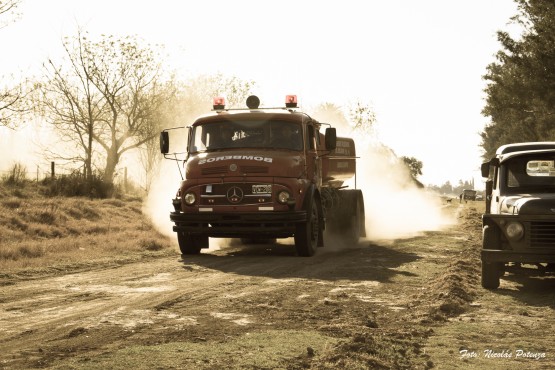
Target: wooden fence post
x=52 y=170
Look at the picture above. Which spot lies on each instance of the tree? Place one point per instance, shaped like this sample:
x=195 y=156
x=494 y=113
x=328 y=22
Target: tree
x=8 y=11
x=196 y=96
x=11 y=97
x=415 y=168
x=191 y=99
x=13 y=104
x=109 y=96
x=73 y=104
x=331 y=113
x=521 y=83
x=362 y=116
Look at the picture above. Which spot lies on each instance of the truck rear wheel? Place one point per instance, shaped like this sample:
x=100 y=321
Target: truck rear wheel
x=355 y=227
x=191 y=244
x=307 y=233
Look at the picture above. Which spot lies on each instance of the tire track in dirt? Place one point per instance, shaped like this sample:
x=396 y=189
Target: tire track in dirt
x=372 y=297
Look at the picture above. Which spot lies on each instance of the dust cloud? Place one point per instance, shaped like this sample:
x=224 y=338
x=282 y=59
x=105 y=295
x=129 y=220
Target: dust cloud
x=395 y=206
x=163 y=188
x=158 y=204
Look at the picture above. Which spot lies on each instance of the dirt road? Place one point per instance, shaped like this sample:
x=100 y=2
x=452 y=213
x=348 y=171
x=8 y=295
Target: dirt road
x=412 y=303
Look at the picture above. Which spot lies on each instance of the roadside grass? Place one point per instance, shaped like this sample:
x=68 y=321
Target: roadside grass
x=38 y=232
x=273 y=349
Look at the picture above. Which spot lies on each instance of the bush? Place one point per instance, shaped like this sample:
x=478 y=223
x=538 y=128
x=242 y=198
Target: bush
x=17 y=175
x=76 y=185
x=152 y=245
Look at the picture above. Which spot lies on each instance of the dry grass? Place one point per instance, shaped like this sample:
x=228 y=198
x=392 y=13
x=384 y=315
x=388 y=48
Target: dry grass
x=40 y=232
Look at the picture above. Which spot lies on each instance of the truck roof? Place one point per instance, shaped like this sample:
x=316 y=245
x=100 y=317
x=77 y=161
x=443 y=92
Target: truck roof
x=255 y=114
x=524 y=147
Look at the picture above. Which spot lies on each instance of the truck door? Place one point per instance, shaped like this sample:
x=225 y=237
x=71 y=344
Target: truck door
x=494 y=197
x=314 y=162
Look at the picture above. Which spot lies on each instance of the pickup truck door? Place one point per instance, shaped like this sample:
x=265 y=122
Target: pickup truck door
x=494 y=195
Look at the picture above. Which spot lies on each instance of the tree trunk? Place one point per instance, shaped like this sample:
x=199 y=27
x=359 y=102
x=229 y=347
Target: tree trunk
x=110 y=169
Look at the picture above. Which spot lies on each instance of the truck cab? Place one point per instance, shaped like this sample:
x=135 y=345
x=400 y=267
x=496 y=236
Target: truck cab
x=260 y=174
x=468 y=194
x=519 y=222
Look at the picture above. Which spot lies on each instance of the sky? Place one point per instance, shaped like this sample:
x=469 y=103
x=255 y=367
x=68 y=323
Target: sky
x=418 y=64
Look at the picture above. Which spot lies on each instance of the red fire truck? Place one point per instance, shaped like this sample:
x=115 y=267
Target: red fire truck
x=265 y=173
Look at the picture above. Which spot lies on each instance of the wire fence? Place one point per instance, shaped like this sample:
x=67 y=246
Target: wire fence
x=55 y=171
x=39 y=172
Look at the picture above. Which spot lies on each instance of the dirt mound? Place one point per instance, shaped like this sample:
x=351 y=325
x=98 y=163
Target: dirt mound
x=453 y=290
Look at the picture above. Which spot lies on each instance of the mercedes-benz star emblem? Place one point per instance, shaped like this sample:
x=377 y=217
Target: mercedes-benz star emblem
x=234 y=194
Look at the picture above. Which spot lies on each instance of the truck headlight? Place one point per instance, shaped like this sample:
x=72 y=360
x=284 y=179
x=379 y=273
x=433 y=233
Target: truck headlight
x=514 y=230
x=283 y=196
x=190 y=199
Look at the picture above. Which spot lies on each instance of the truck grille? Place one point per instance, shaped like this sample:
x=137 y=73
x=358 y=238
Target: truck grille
x=542 y=234
x=243 y=169
x=254 y=169
x=234 y=194
x=214 y=170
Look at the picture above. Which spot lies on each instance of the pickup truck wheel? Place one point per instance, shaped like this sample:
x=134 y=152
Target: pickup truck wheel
x=190 y=244
x=306 y=234
x=491 y=271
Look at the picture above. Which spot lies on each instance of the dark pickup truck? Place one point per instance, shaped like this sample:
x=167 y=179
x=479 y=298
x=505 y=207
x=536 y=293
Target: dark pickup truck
x=519 y=221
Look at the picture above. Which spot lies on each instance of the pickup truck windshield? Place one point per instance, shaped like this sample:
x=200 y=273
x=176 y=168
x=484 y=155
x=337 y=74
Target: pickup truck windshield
x=530 y=174
x=249 y=134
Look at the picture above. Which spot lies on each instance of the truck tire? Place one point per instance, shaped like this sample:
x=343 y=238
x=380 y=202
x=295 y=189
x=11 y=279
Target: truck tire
x=490 y=274
x=352 y=229
x=191 y=244
x=491 y=271
x=307 y=233
x=355 y=227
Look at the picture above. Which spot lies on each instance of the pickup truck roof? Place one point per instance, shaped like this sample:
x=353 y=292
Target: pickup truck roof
x=522 y=147
x=507 y=156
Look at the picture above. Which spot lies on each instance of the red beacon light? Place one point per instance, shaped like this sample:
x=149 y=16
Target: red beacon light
x=218 y=103
x=291 y=101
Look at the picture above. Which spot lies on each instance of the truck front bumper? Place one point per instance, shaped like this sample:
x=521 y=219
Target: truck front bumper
x=493 y=255
x=238 y=225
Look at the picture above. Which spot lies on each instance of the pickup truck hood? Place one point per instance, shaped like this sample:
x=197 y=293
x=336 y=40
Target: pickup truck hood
x=249 y=162
x=529 y=204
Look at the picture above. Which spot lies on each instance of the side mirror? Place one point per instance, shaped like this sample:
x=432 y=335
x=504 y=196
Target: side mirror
x=164 y=142
x=485 y=169
x=330 y=138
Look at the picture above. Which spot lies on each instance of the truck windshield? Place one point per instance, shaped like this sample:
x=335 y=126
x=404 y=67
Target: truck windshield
x=530 y=174
x=248 y=134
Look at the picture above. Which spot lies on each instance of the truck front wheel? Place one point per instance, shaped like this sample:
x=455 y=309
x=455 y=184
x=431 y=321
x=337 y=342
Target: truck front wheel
x=191 y=244
x=491 y=271
x=307 y=233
